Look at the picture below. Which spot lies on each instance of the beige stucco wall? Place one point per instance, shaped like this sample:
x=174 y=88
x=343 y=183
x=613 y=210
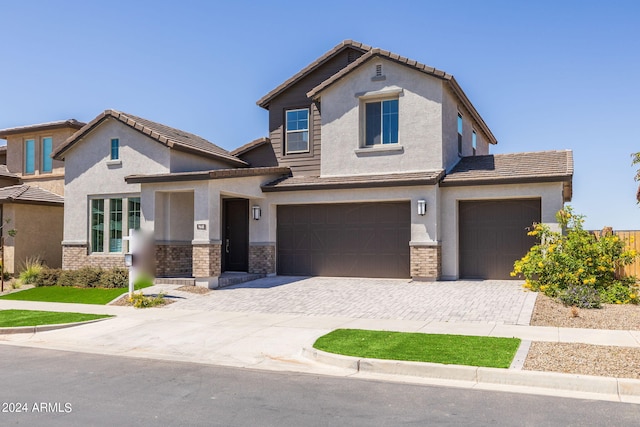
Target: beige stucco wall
x=15 y=150
x=551 y=202
x=419 y=127
x=38 y=234
x=91 y=173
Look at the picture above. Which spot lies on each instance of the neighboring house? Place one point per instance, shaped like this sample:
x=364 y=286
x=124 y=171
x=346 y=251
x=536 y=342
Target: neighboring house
x=375 y=166
x=31 y=192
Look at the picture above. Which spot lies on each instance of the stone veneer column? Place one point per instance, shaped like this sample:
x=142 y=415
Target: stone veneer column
x=174 y=259
x=262 y=258
x=207 y=262
x=426 y=262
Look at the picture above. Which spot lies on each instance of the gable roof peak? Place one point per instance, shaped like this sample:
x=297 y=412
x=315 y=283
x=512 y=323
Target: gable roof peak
x=266 y=100
x=166 y=135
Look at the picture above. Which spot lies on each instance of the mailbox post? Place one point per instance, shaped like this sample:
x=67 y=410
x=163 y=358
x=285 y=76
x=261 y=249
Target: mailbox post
x=129 y=259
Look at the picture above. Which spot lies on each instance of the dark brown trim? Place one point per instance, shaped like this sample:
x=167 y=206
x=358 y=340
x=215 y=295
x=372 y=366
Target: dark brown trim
x=510 y=180
x=206 y=175
x=32 y=202
x=71 y=123
x=348 y=185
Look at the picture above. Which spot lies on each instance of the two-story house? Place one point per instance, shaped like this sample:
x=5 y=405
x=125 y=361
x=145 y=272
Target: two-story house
x=31 y=192
x=375 y=166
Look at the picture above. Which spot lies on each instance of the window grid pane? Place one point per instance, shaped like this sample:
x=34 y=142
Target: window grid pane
x=297 y=129
x=390 y=122
x=373 y=125
x=115 y=225
x=134 y=213
x=115 y=149
x=30 y=156
x=47 y=161
x=97 y=225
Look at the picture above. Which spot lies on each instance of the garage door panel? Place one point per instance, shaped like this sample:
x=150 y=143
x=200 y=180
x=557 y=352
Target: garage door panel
x=493 y=234
x=358 y=240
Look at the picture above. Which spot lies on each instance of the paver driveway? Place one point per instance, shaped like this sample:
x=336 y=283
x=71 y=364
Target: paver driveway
x=499 y=301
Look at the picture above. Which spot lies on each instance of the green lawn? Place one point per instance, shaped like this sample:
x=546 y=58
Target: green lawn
x=98 y=296
x=13 y=318
x=448 y=349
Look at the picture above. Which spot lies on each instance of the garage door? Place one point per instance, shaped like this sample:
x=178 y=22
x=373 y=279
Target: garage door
x=349 y=240
x=493 y=234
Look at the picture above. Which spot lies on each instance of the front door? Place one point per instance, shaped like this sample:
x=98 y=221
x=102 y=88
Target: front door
x=235 y=239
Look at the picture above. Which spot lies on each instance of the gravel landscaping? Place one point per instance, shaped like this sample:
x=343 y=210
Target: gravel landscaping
x=585 y=359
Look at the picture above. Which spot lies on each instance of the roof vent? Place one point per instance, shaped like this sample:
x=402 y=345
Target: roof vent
x=378 y=75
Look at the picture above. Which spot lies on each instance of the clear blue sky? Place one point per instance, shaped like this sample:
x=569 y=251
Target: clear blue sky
x=543 y=74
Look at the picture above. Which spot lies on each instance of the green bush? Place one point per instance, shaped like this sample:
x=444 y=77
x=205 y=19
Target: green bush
x=88 y=277
x=115 y=278
x=48 y=277
x=559 y=262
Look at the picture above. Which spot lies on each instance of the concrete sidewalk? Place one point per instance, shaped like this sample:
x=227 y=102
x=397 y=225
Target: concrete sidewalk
x=276 y=342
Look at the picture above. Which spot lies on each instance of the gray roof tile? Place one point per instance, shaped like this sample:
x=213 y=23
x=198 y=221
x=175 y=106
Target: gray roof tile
x=30 y=194
x=171 y=137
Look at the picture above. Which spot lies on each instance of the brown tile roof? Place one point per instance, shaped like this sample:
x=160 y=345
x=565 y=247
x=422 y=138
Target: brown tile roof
x=265 y=100
x=4 y=173
x=250 y=146
x=356 y=181
x=377 y=52
x=204 y=175
x=171 y=137
x=515 y=168
x=29 y=194
x=70 y=123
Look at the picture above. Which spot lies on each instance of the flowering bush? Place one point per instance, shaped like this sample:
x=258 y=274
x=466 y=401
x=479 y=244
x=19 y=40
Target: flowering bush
x=559 y=265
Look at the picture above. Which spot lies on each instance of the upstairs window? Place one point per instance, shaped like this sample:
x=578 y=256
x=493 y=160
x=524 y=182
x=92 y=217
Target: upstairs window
x=297 y=131
x=459 y=134
x=381 y=122
x=115 y=149
x=474 y=141
x=30 y=156
x=47 y=147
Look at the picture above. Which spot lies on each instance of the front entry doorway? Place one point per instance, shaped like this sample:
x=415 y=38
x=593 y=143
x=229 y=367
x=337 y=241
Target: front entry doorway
x=235 y=239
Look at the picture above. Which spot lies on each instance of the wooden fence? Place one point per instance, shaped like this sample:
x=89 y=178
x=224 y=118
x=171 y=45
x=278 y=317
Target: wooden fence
x=632 y=239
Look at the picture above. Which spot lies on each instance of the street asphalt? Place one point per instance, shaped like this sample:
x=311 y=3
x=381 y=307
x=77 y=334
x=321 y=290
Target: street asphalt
x=196 y=329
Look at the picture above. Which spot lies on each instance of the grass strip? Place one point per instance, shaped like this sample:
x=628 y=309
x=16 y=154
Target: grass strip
x=489 y=352
x=15 y=318
x=99 y=296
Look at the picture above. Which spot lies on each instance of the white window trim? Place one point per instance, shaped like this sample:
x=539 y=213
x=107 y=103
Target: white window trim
x=388 y=94
x=287 y=132
x=107 y=218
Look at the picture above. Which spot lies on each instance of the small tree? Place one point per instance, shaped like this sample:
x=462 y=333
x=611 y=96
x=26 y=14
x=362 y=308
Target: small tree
x=11 y=233
x=577 y=267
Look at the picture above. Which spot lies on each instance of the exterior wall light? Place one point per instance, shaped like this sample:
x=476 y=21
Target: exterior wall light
x=422 y=207
x=256 y=212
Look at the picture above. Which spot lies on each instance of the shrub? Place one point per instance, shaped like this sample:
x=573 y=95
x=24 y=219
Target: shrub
x=141 y=301
x=580 y=296
x=115 y=278
x=48 y=277
x=85 y=277
x=559 y=262
x=30 y=270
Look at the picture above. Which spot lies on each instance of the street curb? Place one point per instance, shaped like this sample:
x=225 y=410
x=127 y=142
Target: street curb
x=44 y=328
x=621 y=387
